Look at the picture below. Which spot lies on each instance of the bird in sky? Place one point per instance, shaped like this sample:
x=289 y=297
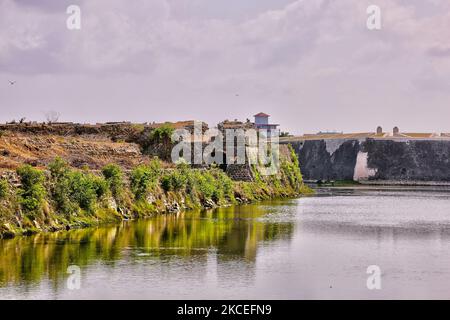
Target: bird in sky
x=11 y=82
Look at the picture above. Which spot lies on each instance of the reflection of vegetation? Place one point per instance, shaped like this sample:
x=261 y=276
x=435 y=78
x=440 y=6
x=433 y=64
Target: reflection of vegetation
x=29 y=259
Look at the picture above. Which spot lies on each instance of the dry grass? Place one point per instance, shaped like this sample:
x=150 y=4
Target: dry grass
x=19 y=148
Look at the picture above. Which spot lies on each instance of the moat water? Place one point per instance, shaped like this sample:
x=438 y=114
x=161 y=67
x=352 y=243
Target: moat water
x=316 y=247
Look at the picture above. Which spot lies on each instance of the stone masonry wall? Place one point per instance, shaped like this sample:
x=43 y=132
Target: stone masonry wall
x=377 y=160
x=240 y=172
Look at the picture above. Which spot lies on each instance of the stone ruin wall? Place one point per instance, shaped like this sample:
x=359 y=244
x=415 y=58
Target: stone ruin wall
x=89 y=145
x=401 y=161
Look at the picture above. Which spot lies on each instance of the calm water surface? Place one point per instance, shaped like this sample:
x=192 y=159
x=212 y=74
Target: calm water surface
x=315 y=247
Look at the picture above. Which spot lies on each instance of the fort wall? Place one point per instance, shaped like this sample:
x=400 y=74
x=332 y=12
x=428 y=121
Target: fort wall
x=394 y=161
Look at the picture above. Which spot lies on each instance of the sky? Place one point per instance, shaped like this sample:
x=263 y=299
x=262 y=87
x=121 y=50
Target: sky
x=313 y=65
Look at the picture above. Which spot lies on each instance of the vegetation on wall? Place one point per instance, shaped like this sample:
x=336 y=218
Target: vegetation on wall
x=62 y=197
x=159 y=141
x=32 y=191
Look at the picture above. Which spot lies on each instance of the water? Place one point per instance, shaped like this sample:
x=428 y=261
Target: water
x=315 y=247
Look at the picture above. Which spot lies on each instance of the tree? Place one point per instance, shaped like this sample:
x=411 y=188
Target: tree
x=161 y=139
x=114 y=177
x=4 y=187
x=52 y=116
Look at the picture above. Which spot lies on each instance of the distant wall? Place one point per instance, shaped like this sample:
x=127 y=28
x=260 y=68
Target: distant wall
x=374 y=160
x=422 y=160
x=327 y=159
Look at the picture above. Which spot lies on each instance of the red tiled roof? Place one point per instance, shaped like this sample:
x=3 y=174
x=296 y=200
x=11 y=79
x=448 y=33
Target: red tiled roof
x=261 y=114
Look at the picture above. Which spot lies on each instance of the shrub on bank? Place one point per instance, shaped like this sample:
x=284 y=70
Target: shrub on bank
x=144 y=178
x=4 y=187
x=32 y=191
x=73 y=190
x=114 y=177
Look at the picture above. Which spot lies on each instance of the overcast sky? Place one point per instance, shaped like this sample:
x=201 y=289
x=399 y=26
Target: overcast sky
x=312 y=64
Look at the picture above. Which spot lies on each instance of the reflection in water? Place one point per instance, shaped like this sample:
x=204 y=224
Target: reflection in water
x=316 y=247
x=233 y=232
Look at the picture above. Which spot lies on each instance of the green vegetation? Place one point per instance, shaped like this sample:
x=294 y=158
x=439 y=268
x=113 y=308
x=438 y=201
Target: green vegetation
x=139 y=127
x=162 y=134
x=199 y=186
x=114 y=178
x=32 y=192
x=4 y=187
x=73 y=191
x=64 y=197
x=85 y=189
x=159 y=141
x=144 y=178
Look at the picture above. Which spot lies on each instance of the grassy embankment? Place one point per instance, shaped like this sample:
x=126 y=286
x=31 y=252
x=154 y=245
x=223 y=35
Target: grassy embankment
x=62 y=197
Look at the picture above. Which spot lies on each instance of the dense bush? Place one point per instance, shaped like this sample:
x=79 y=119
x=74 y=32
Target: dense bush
x=114 y=177
x=58 y=168
x=32 y=191
x=159 y=142
x=211 y=184
x=174 y=181
x=144 y=178
x=204 y=182
x=291 y=172
x=100 y=185
x=85 y=189
x=73 y=190
x=4 y=187
x=60 y=188
x=162 y=134
x=226 y=185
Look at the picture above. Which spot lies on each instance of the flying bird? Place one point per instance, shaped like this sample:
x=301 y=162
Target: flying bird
x=11 y=82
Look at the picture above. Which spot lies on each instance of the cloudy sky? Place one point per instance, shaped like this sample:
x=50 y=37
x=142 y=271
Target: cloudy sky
x=312 y=64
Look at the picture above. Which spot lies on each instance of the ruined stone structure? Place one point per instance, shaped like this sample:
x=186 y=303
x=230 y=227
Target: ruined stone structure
x=236 y=171
x=239 y=172
x=92 y=146
x=243 y=172
x=81 y=145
